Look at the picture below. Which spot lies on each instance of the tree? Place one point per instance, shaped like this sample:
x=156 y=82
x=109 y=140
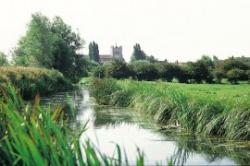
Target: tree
x=200 y=71
x=35 y=48
x=94 y=52
x=50 y=44
x=65 y=45
x=138 y=53
x=234 y=75
x=145 y=70
x=218 y=75
x=117 y=69
x=3 y=59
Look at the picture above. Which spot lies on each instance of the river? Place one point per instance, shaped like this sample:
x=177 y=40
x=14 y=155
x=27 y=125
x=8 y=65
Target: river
x=108 y=126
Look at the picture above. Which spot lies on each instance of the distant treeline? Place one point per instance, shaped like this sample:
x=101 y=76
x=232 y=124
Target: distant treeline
x=52 y=44
x=206 y=70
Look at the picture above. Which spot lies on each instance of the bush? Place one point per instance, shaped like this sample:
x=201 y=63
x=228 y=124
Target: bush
x=145 y=70
x=218 y=75
x=99 y=72
x=117 y=69
x=31 y=81
x=234 y=75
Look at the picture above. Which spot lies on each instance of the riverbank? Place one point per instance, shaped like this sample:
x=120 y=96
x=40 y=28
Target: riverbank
x=219 y=110
x=31 y=81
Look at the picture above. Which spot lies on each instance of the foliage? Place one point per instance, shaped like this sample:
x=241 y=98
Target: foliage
x=94 y=52
x=138 y=53
x=31 y=81
x=99 y=72
x=117 y=69
x=35 y=135
x=145 y=70
x=49 y=44
x=234 y=75
x=199 y=71
x=218 y=75
x=3 y=59
x=198 y=108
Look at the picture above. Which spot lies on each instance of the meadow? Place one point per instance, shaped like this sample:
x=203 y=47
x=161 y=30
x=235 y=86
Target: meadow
x=219 y=110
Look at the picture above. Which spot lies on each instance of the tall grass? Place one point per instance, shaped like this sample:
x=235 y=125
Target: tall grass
x=203 y=109
x=30 y=80
x=33 y=135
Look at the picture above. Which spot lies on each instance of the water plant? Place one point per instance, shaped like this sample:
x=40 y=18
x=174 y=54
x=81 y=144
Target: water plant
x=35 y=135
x=221 y=110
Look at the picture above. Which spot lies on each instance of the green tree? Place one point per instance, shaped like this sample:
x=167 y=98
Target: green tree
x=35 y=48
x=145 y=70
x=94 y=52
x=65 y=45
x=234 y=75
x=138 y=53
x=3 y=59
x=50 y=44
x=117 y=69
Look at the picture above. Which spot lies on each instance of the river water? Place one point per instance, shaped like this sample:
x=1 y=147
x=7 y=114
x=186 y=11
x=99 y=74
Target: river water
x=107 y=126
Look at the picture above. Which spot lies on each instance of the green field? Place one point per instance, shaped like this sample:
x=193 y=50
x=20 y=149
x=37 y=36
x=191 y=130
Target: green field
x=220 y=110
x=231 y=97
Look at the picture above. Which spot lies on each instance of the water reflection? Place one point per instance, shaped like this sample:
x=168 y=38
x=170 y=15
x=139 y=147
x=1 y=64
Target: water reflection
x=109 y=126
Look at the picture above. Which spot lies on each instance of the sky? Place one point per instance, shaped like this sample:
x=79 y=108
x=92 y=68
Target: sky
x=180 y=30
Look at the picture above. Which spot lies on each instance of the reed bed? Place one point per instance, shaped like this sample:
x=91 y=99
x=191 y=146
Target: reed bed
x=221 y=110
x=34 y=135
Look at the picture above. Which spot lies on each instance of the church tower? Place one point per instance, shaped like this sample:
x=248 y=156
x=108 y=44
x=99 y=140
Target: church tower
x=116 y=52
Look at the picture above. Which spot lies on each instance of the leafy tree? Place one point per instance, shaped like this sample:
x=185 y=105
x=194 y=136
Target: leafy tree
x=99 y=71
x=50 y=44
x=151 y=59
x=3 y=59
x=233 y=63
x=167 y=71
x=94 y=52
x=138 y=53
x=234 y=75
x=200 y=71
x=218 y=75
x=206 y=60
x=65 y=45
x=117 y=69
x=145 y=70
x=35 y=48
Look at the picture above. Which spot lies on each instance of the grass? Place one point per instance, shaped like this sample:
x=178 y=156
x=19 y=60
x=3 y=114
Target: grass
x=221 y=110
x=33 y=135
x=30 y=80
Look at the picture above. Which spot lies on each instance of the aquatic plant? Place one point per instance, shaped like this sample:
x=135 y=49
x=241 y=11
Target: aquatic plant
x=222 y=110
x=35 y=135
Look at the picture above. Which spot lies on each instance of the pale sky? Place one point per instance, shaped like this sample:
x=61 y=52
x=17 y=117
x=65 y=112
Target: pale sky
x=168 y=29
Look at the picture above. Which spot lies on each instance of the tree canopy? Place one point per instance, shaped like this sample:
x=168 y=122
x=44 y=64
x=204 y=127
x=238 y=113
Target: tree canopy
x=94 y=52
x=50 y=44
x=138 y=53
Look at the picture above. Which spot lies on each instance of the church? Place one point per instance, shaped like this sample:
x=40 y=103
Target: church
x=116 y=53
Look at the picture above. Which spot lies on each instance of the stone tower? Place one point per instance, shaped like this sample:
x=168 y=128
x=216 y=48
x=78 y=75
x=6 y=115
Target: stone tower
x=116 y=52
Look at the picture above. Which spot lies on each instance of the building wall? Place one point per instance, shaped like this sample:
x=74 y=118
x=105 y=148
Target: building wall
x=116 y=52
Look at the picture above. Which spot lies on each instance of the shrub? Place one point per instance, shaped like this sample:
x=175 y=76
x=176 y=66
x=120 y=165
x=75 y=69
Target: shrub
x=117 y=69
x=31 y=81
x=218 y=75
x=145 y=70
x=234 y=75
x=99 y=72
